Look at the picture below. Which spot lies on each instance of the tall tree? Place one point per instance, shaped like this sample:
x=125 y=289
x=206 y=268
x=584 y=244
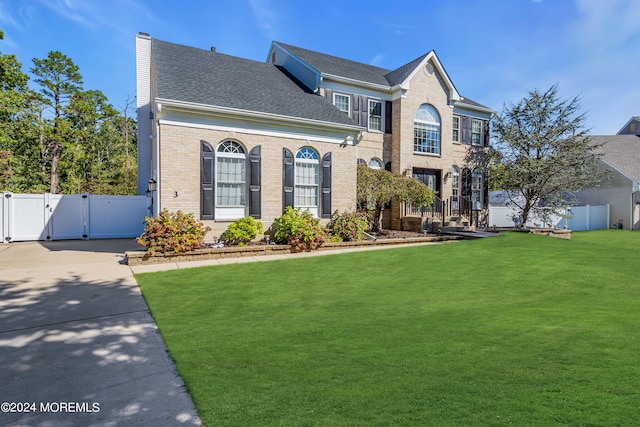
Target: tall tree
x=59 y=80
x=13 y=100
x=545 y=154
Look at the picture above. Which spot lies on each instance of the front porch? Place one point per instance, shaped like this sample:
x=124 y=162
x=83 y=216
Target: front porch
x=455 y=213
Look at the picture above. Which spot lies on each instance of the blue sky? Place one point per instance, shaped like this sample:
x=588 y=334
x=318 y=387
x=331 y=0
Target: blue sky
x=495 y=51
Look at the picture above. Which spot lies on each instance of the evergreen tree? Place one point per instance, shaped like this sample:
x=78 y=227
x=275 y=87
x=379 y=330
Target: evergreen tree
x=545 y=154
x=59 y=81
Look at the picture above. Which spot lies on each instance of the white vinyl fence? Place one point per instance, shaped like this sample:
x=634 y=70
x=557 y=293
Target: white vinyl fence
x=576 y=218
x=25 y=217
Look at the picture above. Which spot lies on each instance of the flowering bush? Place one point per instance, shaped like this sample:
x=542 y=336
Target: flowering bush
x=241 y=231
x=172 y=232
x=347 y=226
x=299 y=229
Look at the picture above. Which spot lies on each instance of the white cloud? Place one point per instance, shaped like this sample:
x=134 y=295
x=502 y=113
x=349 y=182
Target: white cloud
x=264 y=12
x=115 y=15
x=377 y=60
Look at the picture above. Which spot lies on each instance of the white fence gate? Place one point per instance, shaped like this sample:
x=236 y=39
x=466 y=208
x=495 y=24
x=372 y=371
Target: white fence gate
x=576 y=218
x=48 y=216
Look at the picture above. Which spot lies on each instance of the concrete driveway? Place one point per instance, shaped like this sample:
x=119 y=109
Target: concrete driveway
x=78 y=345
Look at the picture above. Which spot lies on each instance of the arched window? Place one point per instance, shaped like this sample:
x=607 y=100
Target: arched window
x=455 y=188
x=362 y=162
x=426 y=130
x=375 y=163
x=307 y=180
x=231 y=180
x=476 y=189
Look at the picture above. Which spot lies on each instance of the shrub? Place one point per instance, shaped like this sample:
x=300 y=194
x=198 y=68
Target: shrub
x=349 y=226
x=242 y=231
x=299 y=229
x=334 y=238
x=172 y=232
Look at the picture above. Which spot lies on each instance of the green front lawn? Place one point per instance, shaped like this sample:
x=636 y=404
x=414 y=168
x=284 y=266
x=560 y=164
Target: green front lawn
x=511 y=330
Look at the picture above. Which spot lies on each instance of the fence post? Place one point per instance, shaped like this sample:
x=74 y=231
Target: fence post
x=2 y=215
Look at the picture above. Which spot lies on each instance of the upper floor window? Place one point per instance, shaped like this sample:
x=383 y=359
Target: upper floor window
x=341 y=102
x=307 y=180
x=456 y=128
x=375 y=115
x=426 y=130
x=476 y=132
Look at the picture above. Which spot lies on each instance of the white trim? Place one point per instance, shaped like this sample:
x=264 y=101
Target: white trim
x=354 y=82
x=431 y=56
x=463 y=104
x=256 y=116
x=304 y=137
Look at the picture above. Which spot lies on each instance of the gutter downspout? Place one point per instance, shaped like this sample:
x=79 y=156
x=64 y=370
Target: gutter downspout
x=157 y=171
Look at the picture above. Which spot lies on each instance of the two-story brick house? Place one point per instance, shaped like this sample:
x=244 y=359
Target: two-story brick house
x=414 y=122
x=225 y=137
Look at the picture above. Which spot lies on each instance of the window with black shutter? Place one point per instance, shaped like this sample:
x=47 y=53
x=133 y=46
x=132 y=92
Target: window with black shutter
x=326 y=186
x=255 y=181
x=287 y=178
x=207 y=185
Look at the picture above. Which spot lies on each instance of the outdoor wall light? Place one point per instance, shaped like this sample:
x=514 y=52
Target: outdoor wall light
x=151 y=185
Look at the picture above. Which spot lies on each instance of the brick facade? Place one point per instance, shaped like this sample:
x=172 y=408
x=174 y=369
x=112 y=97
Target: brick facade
x=180 y=166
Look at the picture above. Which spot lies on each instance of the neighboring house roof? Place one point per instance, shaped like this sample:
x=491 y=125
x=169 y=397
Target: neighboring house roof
x=621 y=152
x=626 y=128
x=205 y=77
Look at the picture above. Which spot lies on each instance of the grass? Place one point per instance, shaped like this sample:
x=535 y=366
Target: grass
x=513 y=330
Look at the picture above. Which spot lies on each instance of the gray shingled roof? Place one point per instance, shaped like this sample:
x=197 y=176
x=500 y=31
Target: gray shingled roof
x=399 y=75
x=334 y=65
x=204 y=77
x=621 y=151
x=329 y=64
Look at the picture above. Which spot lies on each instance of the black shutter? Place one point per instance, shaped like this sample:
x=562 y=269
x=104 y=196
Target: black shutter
x=255 y=166
x=388 y=108
x=355 y=109
x=466 y=130
x=364 y=111
x=287 y=178
x=485 y=191
x=328 y=94
x=465 y=188
x=387 y=166
x=207 y=181
x=326 y=186
x=487 y=130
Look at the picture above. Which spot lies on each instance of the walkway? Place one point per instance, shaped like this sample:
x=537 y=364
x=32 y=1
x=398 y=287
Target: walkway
x=77 y=340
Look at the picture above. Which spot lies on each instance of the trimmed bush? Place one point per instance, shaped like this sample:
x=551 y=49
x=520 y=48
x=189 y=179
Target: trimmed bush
x=299 y=229
x=347 y=226
x=241 y=231
x=172 y=232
